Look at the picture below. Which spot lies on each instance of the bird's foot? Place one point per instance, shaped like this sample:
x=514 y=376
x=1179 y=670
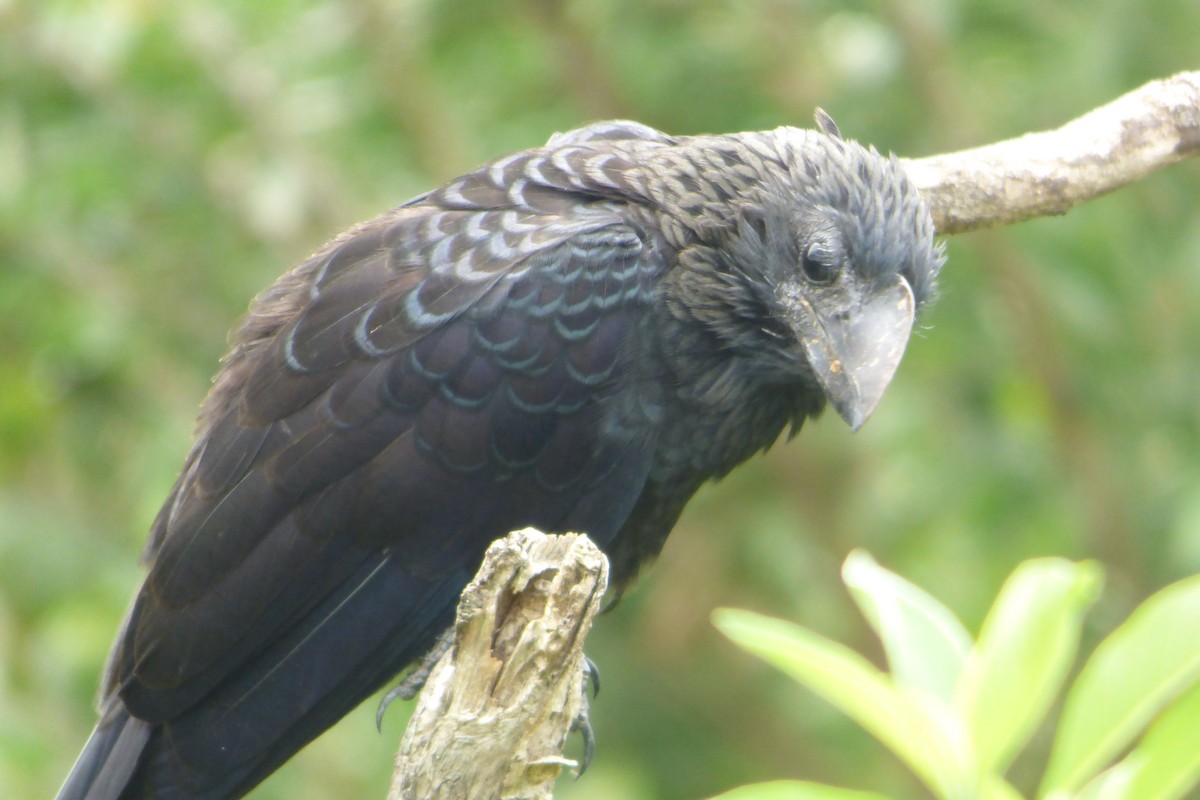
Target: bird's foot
x=584 y=726
x=412 y=683
x=581 y=723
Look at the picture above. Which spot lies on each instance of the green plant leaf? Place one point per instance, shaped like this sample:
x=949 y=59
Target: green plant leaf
x=795 y=790
x=1025 y=650
x=994 y=787
x=925 y=643
x=1111 y=784
x=1167 y=762
x=1138 y=670
x=921 y=736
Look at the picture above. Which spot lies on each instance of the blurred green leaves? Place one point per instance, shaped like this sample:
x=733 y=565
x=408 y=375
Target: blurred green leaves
x=958 y=722
x=1140 y=669
x=1024 y=652
x=795 y=790
x=912 y=724
x=925 y=643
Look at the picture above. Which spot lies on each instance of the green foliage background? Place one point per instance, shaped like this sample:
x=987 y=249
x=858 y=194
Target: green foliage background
x=161 y=162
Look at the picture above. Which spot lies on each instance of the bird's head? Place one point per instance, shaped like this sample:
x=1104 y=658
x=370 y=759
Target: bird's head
x=831 y=259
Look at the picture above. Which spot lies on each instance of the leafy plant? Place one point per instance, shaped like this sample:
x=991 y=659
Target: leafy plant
x=957 y=711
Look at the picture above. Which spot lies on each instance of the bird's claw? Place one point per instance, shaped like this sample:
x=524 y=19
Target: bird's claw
x=581 y=723
x=412 y=683
x=591 y=675
x=584 y=726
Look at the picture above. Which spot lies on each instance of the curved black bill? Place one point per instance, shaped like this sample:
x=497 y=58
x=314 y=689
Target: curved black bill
x=855 y=351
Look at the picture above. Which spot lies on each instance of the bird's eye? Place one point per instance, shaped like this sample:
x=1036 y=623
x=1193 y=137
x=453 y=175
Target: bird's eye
x=818 y=265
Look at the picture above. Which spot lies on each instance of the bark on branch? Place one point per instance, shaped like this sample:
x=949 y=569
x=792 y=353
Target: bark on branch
x=1049 y=172
x=496 y=710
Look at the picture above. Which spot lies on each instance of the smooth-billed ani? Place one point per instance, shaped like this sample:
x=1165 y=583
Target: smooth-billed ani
x=573 y=337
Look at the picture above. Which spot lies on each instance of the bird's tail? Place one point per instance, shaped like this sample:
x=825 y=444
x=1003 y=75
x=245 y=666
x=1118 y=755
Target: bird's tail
x=109 y=758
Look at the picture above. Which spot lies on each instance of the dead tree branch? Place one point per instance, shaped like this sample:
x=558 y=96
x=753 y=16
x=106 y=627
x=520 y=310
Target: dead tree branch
x=495 y=712
x=1045 y=173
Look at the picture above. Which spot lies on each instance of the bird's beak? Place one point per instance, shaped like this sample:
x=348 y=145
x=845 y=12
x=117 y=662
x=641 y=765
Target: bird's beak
x=855 y=347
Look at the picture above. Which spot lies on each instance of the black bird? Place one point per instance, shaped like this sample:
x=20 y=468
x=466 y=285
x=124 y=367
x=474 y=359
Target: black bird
x=573 y=337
